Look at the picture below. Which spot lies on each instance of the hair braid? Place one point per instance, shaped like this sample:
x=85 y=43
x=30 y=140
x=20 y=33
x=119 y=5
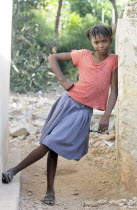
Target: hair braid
x=99 y=30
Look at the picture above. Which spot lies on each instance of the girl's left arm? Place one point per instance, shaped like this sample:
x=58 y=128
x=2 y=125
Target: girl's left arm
x=104 y=122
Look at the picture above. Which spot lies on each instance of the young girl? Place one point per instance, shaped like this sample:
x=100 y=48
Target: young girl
x=66 y=130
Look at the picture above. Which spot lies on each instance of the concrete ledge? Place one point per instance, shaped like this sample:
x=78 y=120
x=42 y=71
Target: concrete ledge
x=100 y=113
x=9 y=193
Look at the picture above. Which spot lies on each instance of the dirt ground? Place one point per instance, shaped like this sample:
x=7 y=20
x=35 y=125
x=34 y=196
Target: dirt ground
x=90 y=183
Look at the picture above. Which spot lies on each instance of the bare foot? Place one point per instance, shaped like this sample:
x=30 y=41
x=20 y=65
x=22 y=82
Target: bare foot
x=7 y=176
x=49 y=199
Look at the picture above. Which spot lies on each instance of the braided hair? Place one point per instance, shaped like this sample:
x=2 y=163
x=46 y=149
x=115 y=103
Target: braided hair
x=106 y=31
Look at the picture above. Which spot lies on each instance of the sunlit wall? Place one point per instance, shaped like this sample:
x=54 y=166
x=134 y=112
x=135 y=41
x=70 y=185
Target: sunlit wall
x=5 y=56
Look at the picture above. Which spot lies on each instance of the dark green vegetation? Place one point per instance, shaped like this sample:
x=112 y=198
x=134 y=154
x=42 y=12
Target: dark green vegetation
x=42 y=27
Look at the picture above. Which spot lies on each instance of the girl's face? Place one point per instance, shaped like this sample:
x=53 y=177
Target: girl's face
x=101 y=44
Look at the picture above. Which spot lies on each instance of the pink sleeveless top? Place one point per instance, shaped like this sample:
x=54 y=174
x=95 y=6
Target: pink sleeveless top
x=94 y=79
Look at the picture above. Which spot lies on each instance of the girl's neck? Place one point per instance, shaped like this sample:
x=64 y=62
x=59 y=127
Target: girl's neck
x=97 y=58
x=100 y=57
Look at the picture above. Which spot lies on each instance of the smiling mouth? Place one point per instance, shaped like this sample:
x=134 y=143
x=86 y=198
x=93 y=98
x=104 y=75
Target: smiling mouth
x=102 y=50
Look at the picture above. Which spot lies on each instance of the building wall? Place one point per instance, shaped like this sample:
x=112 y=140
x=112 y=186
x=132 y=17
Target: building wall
x=5 y=51
x=127 y=102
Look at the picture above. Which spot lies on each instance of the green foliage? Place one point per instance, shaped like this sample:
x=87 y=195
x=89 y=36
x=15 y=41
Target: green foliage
x=31 y=72
x=93 y=7
x=81 y=7
x=73 y=37
x=32 y=43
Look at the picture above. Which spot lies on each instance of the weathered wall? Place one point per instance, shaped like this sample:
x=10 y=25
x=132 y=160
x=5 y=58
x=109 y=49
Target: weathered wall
x=5 y=49
x=127 y=102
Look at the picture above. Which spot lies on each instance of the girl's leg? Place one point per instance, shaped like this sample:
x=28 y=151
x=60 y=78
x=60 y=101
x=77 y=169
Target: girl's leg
x=34 y=156
x=51 y=171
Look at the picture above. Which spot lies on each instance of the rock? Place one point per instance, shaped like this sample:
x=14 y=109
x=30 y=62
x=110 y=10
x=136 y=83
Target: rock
x=102 y=202
x=107 y=137
x=99 y=159
x=36 y=144
x=109 y=143
x=95 y=151
x=131 y=202
x=135 y=198
x=34 y=116
x=132 y=207
x=111 y=124
x=14 y=140
x=14 y=112
x=29 y=192
x=27 y=115
x=111 y=202
x=21 y=137
x=22 y=120
x=91 y=141
x=75 y=193
x=124 y=200
x=123 y=208
x=90 y=203
x=94 y=135
x=36 y=174
x=94 y=126
x=39 y=132
x=121 y=202
x=14 y=105
x=112 y=132
x=41 y=116
x=18 y=130
x=31 y=138
x=97 y=144
x=39 y=123
x=31 y=129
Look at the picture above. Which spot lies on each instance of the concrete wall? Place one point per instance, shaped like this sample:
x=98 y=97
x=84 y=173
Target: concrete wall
x=5 y=51
x=127 y=102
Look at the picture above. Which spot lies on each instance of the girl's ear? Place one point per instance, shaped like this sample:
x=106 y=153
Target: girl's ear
x=111 y=40
x=88 y=34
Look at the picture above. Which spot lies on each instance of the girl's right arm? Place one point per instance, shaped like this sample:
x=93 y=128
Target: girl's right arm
x=54 y=63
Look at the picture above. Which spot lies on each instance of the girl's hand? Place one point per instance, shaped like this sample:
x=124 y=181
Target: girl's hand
x=104 y=123
x=67 y=85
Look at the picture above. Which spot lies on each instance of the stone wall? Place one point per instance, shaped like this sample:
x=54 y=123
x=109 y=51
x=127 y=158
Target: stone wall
x=5 y=50
x=127 y=102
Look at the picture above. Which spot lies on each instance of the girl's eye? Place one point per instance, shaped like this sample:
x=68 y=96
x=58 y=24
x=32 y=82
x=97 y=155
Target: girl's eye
x=105 y=41
x=96 y=42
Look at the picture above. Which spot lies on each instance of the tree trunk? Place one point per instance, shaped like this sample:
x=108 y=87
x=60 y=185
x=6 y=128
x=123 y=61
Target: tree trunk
x=58 y=17
x=115 y=8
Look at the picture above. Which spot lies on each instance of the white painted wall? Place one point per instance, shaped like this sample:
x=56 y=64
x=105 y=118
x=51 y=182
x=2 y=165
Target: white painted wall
x=127 y=102
x=5 y=56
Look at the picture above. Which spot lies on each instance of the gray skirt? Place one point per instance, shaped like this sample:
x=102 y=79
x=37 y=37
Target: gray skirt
x=66 y=130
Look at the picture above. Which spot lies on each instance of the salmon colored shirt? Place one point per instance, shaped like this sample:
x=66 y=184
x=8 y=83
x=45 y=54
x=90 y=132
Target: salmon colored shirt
x=94 y=79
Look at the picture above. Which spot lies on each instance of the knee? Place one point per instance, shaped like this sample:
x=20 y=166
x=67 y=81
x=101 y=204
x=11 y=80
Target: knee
x=53 y=154
x=43 y=147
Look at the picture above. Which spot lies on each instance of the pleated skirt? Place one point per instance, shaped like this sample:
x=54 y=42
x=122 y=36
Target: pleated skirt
x=66 y=130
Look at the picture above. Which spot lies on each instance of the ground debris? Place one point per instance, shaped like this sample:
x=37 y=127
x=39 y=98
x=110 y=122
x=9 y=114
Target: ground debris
x=90 y=203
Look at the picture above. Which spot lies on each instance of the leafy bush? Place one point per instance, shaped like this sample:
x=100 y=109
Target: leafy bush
x=31 y=45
